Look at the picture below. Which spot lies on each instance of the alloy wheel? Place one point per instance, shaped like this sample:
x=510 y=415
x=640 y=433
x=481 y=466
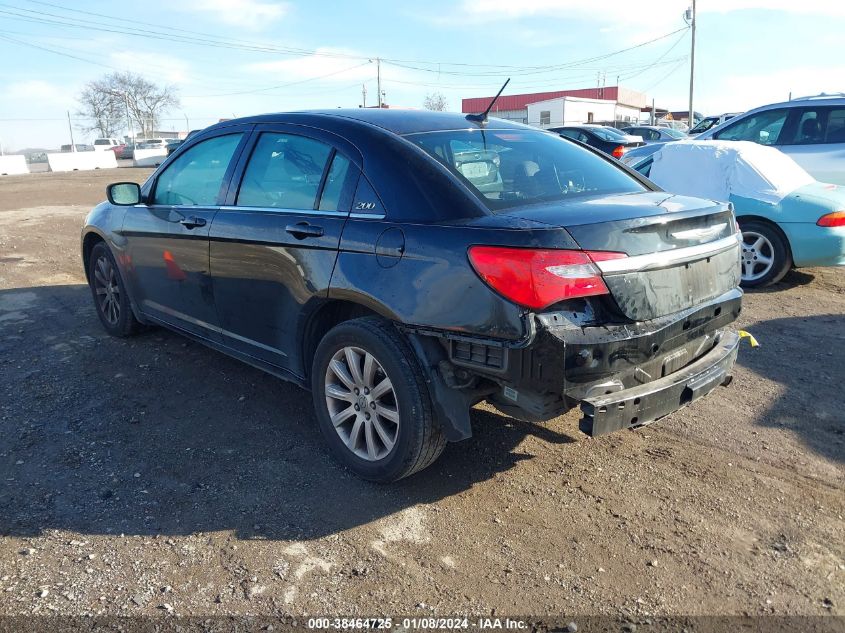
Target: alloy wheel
x=758 y=256
x=107 y=290
x=362 y=403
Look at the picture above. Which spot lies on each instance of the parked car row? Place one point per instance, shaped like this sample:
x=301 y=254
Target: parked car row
x=607 y=139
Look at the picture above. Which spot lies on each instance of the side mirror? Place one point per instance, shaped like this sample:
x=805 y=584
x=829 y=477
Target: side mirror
x=124 y=193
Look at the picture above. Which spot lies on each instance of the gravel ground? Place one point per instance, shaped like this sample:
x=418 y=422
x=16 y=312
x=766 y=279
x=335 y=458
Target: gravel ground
x=153 y=475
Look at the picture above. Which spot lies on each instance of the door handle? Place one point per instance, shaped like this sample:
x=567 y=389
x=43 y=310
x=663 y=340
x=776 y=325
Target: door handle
x=192 y=222
x=301 y=230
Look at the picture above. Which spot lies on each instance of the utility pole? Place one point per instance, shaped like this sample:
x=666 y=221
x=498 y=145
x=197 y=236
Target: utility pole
x=363 y=95
x=128 y=119
x=378 y=80
x=70 y=127
x=691 y=19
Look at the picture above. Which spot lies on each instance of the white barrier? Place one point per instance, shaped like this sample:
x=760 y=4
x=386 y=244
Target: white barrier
x=10 y=165
x=152 y=157
x=73 y=161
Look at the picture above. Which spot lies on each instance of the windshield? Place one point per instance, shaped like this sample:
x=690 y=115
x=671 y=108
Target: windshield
x=102 y=141
x=704 y=125
x=508 y=168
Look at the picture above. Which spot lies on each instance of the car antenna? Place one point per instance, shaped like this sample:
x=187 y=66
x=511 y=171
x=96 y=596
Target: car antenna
x=482 y=118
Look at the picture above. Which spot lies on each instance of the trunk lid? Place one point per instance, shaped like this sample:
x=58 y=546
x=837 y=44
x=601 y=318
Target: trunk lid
x=682 y=251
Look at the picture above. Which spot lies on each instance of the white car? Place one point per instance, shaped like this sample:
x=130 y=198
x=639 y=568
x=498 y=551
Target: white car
x=811 y=130
x=153 y=143
x=103 y=144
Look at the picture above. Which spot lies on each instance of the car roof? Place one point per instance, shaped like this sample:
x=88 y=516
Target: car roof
x=397 y=121
x=801 y=102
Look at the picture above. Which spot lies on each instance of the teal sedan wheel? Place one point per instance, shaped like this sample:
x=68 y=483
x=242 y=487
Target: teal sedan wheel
x=765 y=254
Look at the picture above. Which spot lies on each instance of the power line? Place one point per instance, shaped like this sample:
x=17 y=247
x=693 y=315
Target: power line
x=192 y=37
x=285 y=85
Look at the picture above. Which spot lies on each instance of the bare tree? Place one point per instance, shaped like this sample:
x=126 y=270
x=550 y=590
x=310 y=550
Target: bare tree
x=123 y=94
x=435 y=101
x=101 y=110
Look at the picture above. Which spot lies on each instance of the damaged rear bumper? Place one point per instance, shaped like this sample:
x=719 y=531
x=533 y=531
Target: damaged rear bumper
x=648 y=402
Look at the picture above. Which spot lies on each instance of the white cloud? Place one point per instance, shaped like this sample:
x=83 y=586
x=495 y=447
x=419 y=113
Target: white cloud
x=829 y=8
x=36 y=89
x=154 y=66
x=249 y=14
x=334 y=64
x=658 y=10
x=742 y=92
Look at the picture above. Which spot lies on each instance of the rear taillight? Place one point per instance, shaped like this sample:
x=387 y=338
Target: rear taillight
x=837 y=218
x=537 y=278
x=619 y=151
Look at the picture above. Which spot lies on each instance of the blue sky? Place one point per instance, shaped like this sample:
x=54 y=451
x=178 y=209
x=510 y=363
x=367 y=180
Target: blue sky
x=749 y=52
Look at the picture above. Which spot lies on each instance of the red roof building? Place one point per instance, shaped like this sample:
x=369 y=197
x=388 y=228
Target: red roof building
x=515 y=107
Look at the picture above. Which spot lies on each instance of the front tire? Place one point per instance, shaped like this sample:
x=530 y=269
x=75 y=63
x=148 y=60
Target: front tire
x=766 y=257
x=372 y=403
x=110 y=297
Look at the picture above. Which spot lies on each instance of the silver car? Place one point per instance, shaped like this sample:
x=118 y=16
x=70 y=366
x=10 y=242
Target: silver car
x=811 y=130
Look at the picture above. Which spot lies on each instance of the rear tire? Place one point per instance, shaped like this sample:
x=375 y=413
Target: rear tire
x=766 y=257
x=372 y=402
x=110 y=298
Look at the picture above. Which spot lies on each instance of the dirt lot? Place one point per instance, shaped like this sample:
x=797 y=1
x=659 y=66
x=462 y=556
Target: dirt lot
x=153 y=475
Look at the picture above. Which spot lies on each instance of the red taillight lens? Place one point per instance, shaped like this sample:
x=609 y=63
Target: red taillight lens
x=619 y=151
x=537 y=278
x=837 y=218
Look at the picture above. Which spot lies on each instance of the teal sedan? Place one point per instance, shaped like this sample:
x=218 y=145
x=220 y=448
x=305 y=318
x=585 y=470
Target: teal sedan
x=787 y=218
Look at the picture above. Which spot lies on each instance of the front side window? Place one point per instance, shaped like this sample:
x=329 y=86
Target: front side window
x=284 y=172
x=762 y=127
x=196 y=176
x=508 y=168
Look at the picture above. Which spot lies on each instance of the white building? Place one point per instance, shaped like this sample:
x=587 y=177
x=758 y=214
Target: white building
x=576 y=110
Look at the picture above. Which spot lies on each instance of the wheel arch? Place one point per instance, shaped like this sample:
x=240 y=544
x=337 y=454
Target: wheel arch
x=321 y=317
x=89 y=241
x=759 y=218
x=90 y=238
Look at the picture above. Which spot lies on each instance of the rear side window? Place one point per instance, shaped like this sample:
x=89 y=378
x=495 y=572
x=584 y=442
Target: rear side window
x=330 y=199
x=508 y=168
x=762 y=127
x=284 y=172
x=818 y=125
x=195 y=178
x=835 y=132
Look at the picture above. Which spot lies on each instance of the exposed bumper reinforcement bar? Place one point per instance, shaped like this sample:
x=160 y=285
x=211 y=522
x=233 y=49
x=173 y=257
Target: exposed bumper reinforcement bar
x=646 y=403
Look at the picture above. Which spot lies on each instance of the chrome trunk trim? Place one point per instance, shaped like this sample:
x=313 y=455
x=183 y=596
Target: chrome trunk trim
x=665 y=259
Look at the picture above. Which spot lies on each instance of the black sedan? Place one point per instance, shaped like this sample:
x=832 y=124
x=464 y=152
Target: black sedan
x=404 y=266
x=607 y=139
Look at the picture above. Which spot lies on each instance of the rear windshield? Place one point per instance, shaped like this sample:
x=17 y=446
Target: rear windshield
x=674 y=133
x=509 y=168
x=607 y=133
